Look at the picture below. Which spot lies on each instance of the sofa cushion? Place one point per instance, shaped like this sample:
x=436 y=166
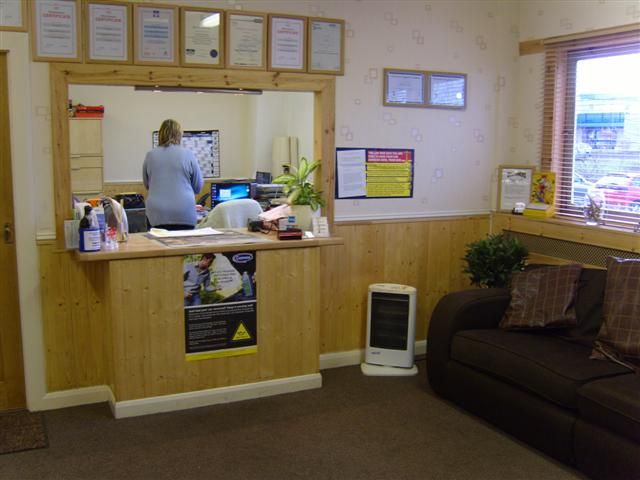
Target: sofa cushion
x=613 y=403
x=543 y=364
x=619 y=336
x=589 y=301
x=543 y=298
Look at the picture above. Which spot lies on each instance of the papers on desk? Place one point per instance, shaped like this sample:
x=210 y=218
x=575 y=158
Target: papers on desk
x=162 y=233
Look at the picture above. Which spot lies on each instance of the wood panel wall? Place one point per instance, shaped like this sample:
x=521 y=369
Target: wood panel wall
x=425 y=254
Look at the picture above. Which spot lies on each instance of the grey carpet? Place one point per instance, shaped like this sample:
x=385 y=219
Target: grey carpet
x=354 y=427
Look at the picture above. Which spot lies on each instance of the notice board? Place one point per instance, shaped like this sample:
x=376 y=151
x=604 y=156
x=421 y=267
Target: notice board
x=363 y=173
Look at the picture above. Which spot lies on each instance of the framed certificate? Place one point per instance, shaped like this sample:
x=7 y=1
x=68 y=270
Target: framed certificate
x=155 y=31
x=326 y=46
x=201 y=40
x=56 y=31
x=447 y=90
x=246 y=40
x=514 y=186
x=108 y=32
x=13 y=15
x=404 y=88
x=287 y=43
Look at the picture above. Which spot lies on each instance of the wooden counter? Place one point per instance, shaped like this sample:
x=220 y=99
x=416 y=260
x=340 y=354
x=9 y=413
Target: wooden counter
x=142 y=291
x=140 y=245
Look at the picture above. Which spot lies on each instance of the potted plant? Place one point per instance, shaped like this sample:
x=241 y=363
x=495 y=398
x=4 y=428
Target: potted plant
x=302 y=196
x=492 y=260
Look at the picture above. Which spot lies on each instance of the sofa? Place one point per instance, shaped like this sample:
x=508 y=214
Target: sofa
x=540 y=385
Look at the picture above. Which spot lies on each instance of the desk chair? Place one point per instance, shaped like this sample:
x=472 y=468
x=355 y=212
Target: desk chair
x=232 y=214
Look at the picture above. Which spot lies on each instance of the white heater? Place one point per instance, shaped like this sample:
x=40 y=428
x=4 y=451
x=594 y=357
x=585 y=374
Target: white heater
x=391 y=330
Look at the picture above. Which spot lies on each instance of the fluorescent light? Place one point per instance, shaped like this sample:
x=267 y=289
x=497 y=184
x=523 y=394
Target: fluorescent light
x=159 y=88
x=211 y=21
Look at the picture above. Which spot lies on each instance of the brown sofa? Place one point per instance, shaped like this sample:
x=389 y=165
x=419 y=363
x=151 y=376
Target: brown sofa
x=539 y=386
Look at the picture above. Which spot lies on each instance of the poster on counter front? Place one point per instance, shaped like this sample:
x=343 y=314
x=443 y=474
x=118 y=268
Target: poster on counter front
x=374 y=173
x=56 y=27
x=220 y=304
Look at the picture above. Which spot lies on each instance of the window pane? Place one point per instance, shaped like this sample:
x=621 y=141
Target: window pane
x=606 y=146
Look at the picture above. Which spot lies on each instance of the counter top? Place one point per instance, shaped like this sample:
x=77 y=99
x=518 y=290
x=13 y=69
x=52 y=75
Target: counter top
x=141 y=245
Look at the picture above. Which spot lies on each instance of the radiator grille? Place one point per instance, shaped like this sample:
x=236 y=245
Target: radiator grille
x=577 y=252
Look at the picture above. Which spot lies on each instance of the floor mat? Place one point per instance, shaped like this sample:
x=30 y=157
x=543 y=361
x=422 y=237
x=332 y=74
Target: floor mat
x=22 y=431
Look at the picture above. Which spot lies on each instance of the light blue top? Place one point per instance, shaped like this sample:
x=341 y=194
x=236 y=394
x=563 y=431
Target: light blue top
x=172 y=176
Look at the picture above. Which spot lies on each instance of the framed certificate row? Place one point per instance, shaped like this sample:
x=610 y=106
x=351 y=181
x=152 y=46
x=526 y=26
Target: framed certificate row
x=158 y=34
x=418 y=88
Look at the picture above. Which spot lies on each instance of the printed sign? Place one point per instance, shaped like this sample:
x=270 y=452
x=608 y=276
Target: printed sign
x=220 y=310
x=374 y=173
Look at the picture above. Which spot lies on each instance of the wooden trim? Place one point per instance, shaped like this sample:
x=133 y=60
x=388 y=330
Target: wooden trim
x=528 y=47
x=87 y=31
x=221 y=36
x=25 y=20
x=592 y=33
x=62 y=75
x=531 y=47
x=600 y=236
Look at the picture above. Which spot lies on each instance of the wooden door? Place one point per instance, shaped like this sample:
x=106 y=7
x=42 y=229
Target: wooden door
x=11 y=370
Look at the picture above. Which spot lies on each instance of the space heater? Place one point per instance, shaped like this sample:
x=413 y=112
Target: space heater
x=391 y=330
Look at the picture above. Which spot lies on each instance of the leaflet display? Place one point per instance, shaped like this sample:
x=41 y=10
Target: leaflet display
x=374 y=173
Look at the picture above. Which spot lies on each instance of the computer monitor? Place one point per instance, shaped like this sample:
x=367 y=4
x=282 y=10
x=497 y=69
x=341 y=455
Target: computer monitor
x=221 y=192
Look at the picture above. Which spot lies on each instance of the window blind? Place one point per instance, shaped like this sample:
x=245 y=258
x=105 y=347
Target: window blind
x=591 y=125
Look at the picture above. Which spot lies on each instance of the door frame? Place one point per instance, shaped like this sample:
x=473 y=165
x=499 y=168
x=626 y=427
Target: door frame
x=11 y=347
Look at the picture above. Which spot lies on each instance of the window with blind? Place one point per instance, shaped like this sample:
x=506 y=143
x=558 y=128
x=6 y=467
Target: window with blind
x=591 y=132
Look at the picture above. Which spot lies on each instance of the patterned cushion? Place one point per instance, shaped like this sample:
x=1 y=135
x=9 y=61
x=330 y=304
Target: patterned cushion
x=619 y=336
x=543 y=297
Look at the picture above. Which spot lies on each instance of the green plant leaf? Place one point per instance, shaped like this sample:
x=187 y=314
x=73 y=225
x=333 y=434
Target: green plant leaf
x=491 y=261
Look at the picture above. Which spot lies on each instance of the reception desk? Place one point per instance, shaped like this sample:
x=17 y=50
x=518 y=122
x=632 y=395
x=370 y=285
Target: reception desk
x=147 y=369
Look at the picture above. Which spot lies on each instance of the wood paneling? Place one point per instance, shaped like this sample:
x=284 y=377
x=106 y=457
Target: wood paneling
x=75 y=320
x=607 y=237
x=425 y=254
x=147 y=317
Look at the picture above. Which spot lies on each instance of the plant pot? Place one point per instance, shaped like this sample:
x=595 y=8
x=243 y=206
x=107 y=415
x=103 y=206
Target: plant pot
x=303 y=214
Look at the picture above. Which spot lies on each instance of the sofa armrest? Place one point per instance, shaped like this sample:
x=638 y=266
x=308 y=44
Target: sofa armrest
x=463 y=310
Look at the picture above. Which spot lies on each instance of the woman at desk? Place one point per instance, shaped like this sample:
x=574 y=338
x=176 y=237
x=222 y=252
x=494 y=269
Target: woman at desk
x=172 y=176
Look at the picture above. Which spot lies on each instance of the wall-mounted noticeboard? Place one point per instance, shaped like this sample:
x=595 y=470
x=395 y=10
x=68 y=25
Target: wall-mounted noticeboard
x=363 y=173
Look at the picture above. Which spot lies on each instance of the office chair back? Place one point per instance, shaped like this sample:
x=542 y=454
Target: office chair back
x=232 y=214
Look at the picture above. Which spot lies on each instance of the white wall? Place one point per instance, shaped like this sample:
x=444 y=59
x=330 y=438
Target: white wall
x=246 y=123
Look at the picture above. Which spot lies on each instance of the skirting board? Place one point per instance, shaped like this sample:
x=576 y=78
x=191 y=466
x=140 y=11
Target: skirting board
x=214 y=396
x=102 y=393
x=356 y=357
x=75 y=397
